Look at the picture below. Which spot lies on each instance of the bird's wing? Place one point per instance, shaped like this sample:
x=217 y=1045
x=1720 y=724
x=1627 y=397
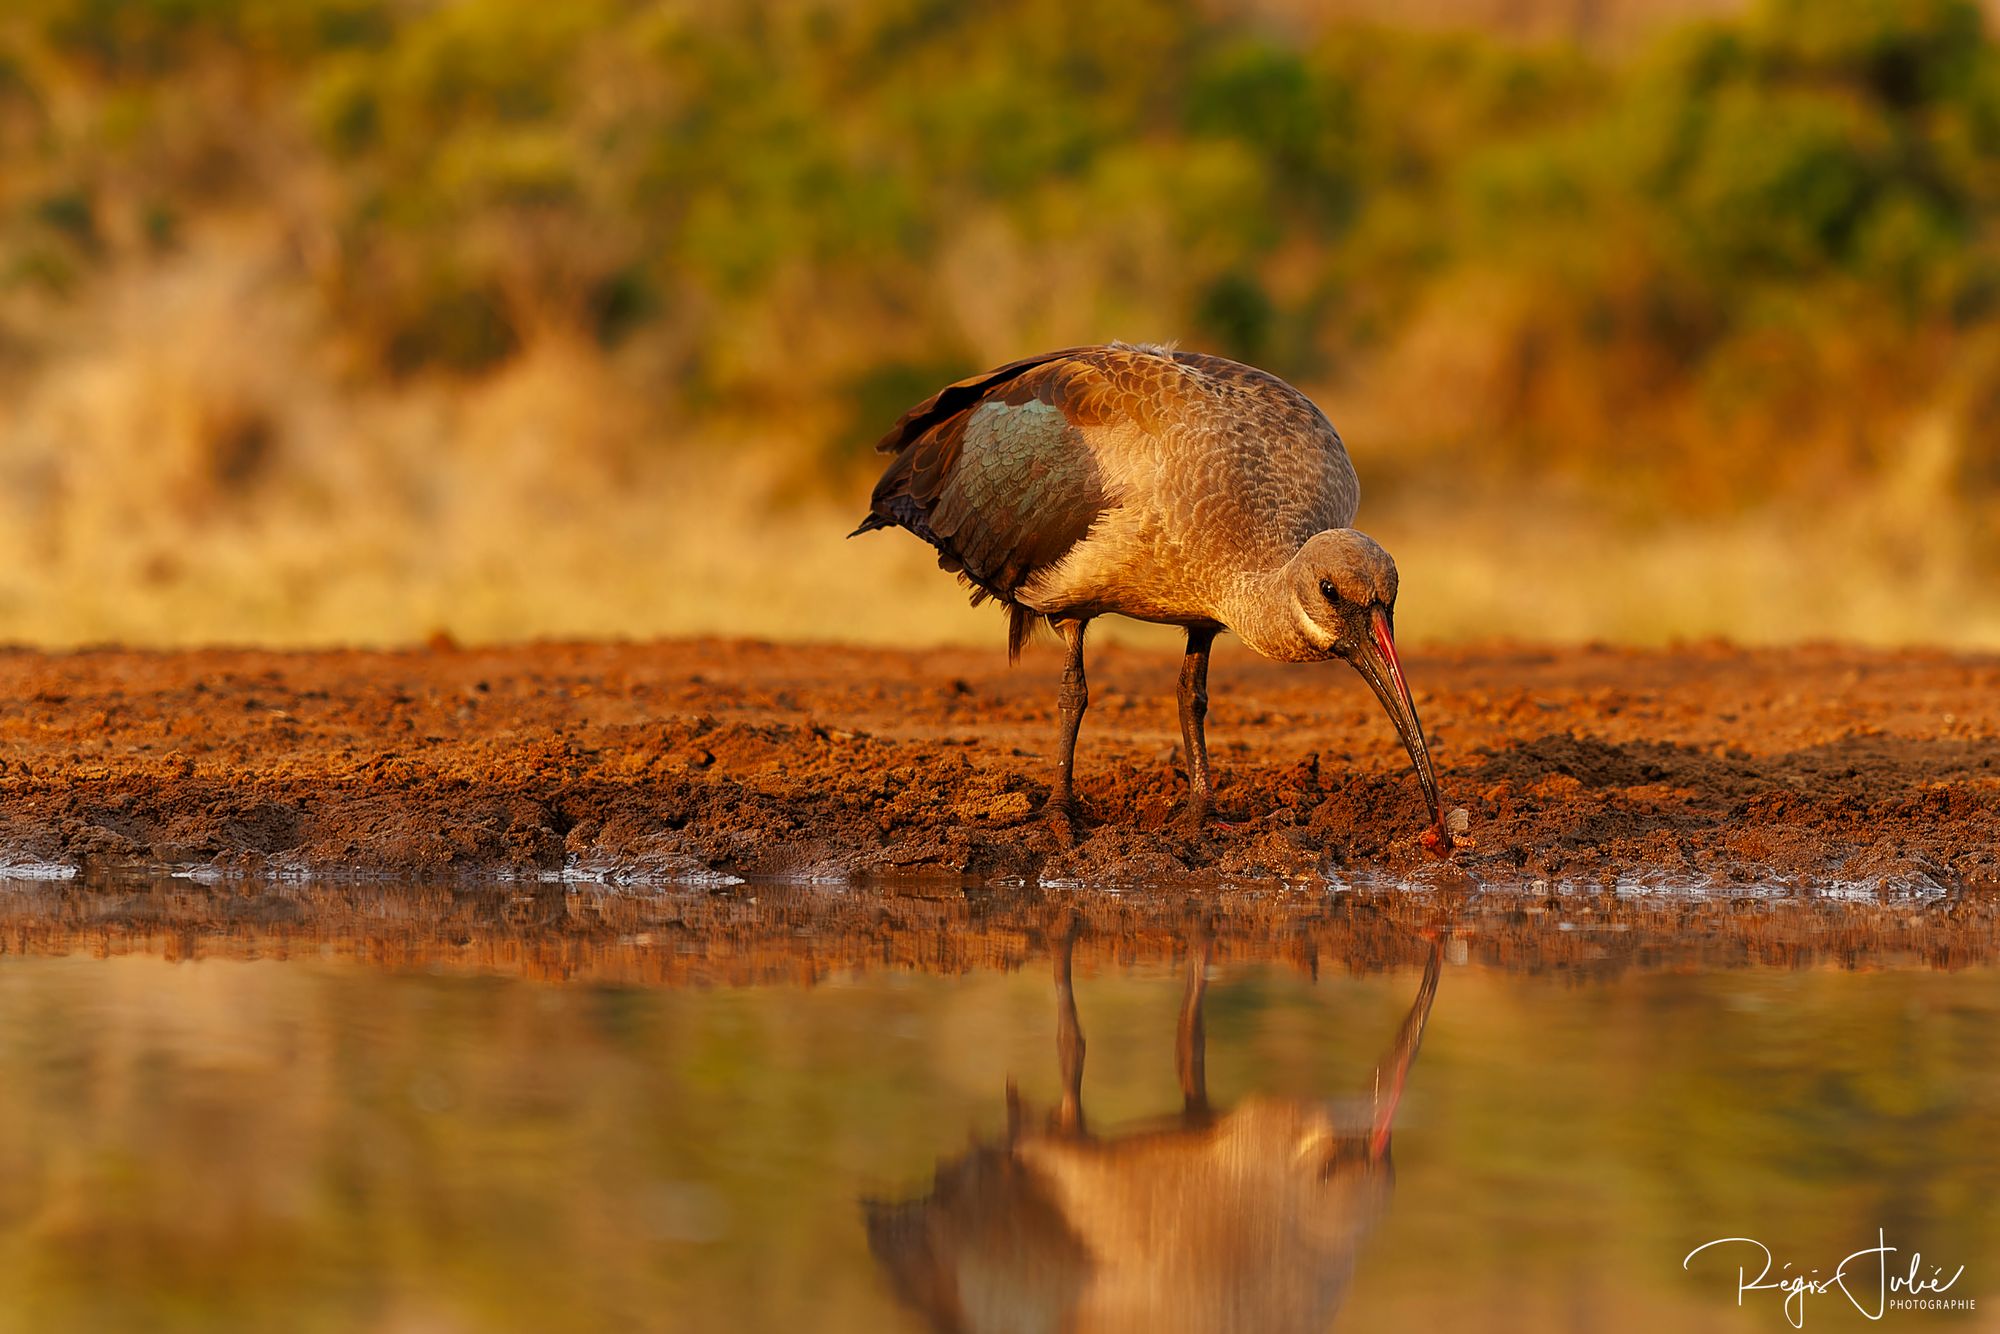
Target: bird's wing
x=996 y=471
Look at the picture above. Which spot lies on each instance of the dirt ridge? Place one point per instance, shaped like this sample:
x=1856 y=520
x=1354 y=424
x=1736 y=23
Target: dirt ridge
x=700 y=760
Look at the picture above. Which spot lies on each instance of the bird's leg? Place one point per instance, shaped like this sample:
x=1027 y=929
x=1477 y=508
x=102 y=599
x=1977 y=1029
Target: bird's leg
x=1071 y=700
x=1194 y=717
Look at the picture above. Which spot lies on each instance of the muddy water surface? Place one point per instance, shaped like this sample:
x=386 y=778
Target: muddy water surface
x=300 y=1107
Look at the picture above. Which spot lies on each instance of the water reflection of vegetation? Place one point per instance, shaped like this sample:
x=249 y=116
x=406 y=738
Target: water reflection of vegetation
x=319 y=1145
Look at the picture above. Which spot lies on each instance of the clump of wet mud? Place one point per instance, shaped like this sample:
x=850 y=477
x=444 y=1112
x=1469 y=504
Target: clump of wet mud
x=702 y=760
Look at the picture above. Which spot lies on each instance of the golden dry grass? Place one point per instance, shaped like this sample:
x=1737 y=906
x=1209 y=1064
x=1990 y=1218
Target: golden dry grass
x=194 y=466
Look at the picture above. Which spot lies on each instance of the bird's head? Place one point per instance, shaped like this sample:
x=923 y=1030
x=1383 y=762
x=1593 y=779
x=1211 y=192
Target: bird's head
x=1341 y=578
x=1345 y=586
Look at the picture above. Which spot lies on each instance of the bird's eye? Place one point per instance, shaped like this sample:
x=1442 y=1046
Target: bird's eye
x=1327 y=590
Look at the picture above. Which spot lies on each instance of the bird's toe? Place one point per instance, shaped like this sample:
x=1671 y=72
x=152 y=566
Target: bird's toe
x=1064 y=819
x=1201 y=815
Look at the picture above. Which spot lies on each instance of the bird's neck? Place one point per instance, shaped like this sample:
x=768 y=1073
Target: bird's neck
x=1263 y=611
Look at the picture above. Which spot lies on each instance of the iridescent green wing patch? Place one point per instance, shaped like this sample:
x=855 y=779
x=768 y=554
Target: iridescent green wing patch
x=996 y=473
x=1026 y=489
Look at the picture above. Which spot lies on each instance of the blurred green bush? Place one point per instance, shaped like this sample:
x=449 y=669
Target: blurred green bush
x=1738 y=259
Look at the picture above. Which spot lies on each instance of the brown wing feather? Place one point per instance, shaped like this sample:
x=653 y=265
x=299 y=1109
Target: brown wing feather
x=960 y=396
x=1028 y=490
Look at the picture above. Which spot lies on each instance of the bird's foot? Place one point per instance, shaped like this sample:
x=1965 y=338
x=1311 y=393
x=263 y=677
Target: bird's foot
x=1063 y=818
x=1200 y=815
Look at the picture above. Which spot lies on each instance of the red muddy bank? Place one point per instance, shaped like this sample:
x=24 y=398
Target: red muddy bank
x=1591 y=767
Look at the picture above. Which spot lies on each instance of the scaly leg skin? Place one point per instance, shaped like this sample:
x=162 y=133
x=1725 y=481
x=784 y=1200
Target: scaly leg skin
x=1194 y=718
x=1071 y=700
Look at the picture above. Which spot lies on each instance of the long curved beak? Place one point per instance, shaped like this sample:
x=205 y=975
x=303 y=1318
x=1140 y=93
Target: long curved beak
x=1377 y=663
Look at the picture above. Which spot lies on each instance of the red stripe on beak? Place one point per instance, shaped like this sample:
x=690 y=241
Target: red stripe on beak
x=1387 y=643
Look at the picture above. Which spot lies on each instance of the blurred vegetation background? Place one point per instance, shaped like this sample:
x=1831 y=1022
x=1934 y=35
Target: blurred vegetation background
x=363 y=320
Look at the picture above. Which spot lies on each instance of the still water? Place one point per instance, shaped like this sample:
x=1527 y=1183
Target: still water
x=266 y=1109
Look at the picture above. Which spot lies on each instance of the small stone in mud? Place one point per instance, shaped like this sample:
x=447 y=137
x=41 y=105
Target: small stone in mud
x=1458 y=826
x=1444 y=839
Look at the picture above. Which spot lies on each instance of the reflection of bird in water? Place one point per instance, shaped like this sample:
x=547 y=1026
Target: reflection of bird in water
x=1162 y=485
x=1244 y=1220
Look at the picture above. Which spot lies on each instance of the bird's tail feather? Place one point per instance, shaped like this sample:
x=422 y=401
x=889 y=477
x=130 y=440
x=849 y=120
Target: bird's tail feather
x=1021 y=622
x=1021 y=625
